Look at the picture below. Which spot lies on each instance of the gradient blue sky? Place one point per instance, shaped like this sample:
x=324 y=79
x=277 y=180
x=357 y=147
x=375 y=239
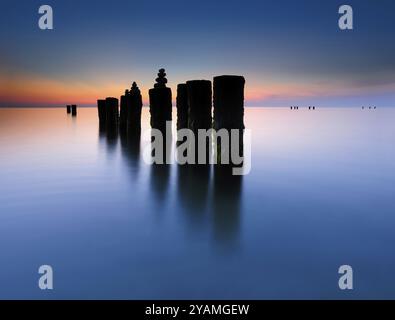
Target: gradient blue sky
x=291 y=52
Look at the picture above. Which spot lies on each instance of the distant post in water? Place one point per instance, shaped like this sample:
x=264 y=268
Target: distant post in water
x=134 y=106
x=182 y=106
x=68 y=108
x=160 y=102
x=229 y=110
x=101 y=110
x=73 y=110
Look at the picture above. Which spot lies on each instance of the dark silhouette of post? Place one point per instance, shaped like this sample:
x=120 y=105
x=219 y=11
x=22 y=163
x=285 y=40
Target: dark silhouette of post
x=112 y=113
x=160 y=102
x=68 y=108
x=199 y=104
x=124 y=111
x=134 y=106
x=200 y=114
x=229 y=113
x=73 y=110
x=101 y=110
x=229 y=102
x=182 y=106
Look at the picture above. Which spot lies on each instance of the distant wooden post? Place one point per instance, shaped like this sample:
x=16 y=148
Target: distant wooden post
x=73 y=110
x=101 y=110
x=182 y=106
x=68 y=108
x=160 y=102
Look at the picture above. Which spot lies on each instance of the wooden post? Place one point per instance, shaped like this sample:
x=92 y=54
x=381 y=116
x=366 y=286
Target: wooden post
x=124 y=112
x=199 y=104
x=182 y=106
x=101 y=110
x=112 y=113
x=73 y=110
x=229 y=112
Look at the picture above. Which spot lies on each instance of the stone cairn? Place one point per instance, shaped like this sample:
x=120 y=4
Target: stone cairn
x=160 y=102
x=134 y=105
x=73 y=110
x=68 y=108
x=229 y=108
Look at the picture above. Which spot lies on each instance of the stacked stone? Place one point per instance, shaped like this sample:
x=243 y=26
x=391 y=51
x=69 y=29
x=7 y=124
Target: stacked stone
x=68 y=108
x=199 y=105
x=101 y=110
x=73 y=110
x=124 y=111
x=160 y=102
x=229 y=109
x=182 y=106
x=112 y=113
x=135 y=104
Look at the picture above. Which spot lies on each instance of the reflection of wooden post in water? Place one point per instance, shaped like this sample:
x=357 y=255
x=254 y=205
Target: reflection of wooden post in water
x=182 y=106
x=134 y=105
x=160 y=102
x=68 y=108
x=73 y=110
x=101 y=111
x=226 y=206
x=112 y=112
x=229 y=108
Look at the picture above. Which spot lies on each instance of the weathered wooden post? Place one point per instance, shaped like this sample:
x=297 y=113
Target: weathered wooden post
x=101 y=110
x=200 y=116
x=199 y=104
x=229 y=102
x=68 y=108
x=124 y=111
x=73 y=110
x=135 y=104
x=229 y=113
x=112 y=113
x=182 y=106
x=160 y=102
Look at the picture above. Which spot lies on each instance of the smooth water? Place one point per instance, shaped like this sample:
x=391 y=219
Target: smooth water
x=320 y=194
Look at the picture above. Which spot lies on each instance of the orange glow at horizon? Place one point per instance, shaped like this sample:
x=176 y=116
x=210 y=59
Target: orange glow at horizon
x=28 y=90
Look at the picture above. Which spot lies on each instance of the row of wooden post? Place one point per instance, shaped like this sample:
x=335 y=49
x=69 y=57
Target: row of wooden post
x=72 y=108
x=195 y=100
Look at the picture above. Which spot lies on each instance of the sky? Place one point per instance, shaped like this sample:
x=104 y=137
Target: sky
x=290 y=52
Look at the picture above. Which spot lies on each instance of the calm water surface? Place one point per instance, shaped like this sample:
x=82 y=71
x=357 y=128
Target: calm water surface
x=320 y=194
